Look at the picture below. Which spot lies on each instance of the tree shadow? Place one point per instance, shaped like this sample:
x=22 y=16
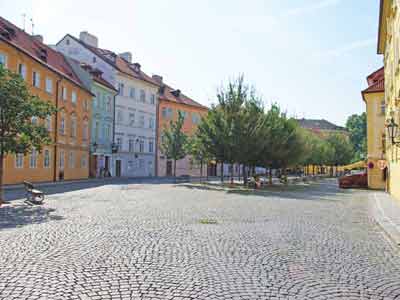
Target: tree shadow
x=325 y=190
x=19 y=215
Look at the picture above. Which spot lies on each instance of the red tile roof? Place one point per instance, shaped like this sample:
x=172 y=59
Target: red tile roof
x=42 y=53
x=168 y=95
x=376 y=82
x=119 y=63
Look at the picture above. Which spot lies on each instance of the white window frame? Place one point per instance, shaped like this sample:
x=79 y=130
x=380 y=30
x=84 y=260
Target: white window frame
x=19 y=160
x=132 y=93
x=22 y=70
x=71 y=159
x=74 y=97
x=36 y=79
x=46 y=158
x=153 y=99
x=64 y=93
x=33 y=159
x=4 y=60
x=61 y=162
x=142 y=96
x=49 y=85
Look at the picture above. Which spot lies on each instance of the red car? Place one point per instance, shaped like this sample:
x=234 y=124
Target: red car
x=353 y=181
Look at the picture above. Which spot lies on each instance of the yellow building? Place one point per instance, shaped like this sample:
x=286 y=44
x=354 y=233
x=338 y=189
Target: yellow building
x=374 y=98
x=50 y=77
x=389 y=47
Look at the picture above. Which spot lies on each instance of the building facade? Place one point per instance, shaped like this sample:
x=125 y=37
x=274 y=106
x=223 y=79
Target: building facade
x=171 y=102
x=389 y=47
x=374 y=98
x=49 y=76
x=135 y=105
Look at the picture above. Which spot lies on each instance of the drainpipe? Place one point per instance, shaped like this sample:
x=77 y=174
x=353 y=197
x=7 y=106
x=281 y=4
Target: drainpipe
x=56 y=131
x=157 y=135
x=113 y=137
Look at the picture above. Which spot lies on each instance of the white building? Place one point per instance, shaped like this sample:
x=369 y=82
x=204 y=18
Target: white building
x=135 y=105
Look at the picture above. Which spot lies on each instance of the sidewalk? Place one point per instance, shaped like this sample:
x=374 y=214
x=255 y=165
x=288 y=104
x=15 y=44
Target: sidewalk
x=386 y=211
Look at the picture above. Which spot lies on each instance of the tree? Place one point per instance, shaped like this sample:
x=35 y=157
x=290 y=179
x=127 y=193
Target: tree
x=20 y=112
x=342 y=150
x=198 y=152
x=357 y=127
x=174 y=141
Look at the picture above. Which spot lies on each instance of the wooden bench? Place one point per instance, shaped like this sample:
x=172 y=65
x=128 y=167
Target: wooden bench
x=33 y=195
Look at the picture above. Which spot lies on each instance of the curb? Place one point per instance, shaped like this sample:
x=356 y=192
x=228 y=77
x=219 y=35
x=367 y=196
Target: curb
x=385 y=221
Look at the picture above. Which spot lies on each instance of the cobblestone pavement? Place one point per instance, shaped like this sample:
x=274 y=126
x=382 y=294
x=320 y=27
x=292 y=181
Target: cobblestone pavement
x=192 y=242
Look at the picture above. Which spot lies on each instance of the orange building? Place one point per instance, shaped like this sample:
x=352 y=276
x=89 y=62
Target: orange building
x=171 y=102
x=50 y=77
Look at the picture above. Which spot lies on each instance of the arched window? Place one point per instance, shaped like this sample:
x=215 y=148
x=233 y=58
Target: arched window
x=85 y=128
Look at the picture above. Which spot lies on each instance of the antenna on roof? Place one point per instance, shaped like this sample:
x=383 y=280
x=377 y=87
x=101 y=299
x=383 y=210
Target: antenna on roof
x=33 y=26
x=23 y=21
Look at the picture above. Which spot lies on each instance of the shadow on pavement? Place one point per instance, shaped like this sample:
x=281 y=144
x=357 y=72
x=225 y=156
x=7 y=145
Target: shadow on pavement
x=313 y=191
x=19 y=215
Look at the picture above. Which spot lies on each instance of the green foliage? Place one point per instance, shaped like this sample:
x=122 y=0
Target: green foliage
x=174 y=141
x=17 y=108
x=357 y=127
x=342 y=150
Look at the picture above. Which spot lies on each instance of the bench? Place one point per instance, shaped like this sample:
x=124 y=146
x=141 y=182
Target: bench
x=33 y=195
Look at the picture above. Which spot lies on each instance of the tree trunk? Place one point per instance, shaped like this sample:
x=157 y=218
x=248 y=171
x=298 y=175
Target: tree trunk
x=175 y=168
x=1 y=178
x=270 y=175
x=222 y=172
x=231 y=173
x=201 y=171
x=244 y=174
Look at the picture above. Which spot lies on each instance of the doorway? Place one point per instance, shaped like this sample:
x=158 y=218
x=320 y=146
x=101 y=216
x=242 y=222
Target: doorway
x=169 y=168
x=118 y=168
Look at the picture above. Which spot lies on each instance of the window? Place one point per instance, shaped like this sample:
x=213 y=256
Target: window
x=164 y=112
x=109 y=104
x=67 y=42
x=120 y=89
x=120 y=116
x=62 y=124
x=19 y=160
x=49 y=85
x=96 y=130
x=195 y=118
x=151 y=123
x=71 y=159
x=86 y=105
x=151 y=146
x=183 y=113
x=130 y=165
x=46 y=160
x=85 y=132
x=33 y=159
x=34 y=121
x=108 y=132
x=132 y=93
x=73 y=97
x=141 y=121
x=22 y=71
x=94 y=59
x=36 y=79
x=83 y=161
x=142 y=96
x=48 y=123
x=73 y=126
x=3 y=59
x=64 y=93
x=61 y=162
x=119 y=143
x=167 y=112
x=383 y=107
x=131 y=146
x=132 y=119
x=152 y=99
x=141 y=145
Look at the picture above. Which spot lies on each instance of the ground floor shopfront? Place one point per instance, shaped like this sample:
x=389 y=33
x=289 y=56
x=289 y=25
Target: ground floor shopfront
x=133 y=165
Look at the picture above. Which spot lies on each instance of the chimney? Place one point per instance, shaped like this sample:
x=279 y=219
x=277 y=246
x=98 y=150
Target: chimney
x=176 y=93
x=89 y=39
x=127 y=56
x=136 y=67
x=158 y=79
x=38 y=38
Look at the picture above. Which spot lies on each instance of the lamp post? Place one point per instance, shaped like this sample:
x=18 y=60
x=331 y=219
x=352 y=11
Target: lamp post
x=393 y=132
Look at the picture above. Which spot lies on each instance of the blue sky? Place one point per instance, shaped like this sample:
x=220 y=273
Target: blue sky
x=310 y=56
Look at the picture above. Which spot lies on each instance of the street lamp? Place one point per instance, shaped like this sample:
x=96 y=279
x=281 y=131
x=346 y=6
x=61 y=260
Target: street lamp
x=114 y=148
x=393 y=131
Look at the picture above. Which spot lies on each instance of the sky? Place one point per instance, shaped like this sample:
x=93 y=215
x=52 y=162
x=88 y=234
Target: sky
x=309 y=56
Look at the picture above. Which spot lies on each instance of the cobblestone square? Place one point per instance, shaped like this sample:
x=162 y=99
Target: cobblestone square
x=150 y=241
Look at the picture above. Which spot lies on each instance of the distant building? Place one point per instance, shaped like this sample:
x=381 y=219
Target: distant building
x=374 y=98
x=135 y=107
x=51 y=78
x=171 y=102
x=322 y=128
